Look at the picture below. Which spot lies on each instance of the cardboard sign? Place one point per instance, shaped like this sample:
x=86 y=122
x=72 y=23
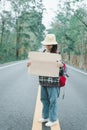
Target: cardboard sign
x=44 y=64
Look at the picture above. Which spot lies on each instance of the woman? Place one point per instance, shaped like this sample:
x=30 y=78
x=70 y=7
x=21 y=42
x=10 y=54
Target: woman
x=49 y=87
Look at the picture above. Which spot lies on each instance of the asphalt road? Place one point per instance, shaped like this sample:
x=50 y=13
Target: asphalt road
x=18 y=93
x=73 y=109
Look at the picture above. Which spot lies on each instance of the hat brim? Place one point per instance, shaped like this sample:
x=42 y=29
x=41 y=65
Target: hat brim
x=49 y=43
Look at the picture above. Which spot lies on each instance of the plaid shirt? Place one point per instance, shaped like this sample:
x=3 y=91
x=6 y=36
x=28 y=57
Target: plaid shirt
x=48 y=81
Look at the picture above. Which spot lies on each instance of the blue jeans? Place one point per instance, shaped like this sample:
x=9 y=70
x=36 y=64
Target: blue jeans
x=49 y=99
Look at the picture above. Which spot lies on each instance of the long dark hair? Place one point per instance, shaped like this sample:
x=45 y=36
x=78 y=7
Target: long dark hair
x=54 y=49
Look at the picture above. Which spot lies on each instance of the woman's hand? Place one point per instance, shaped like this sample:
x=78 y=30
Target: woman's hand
x=29 y=63
x=59 y=64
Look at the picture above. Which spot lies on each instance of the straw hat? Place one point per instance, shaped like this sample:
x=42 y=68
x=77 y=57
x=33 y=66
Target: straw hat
x=50 y=39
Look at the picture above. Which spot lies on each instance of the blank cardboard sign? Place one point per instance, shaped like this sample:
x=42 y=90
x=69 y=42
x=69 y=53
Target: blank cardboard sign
x=44 y=64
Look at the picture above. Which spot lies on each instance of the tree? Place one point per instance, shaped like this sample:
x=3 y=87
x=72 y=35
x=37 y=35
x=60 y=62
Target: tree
x=70 y=27
x=21 y=29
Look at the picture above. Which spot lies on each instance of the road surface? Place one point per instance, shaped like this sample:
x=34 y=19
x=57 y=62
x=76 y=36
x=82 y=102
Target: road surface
x=18 y=94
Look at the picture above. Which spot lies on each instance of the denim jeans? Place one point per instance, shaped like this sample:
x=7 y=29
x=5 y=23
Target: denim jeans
x=49 y=99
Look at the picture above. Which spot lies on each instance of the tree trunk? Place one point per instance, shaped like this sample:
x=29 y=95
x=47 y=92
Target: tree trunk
x=2 y=32
x=81 y=56
x=69 y=56
x=18 y=40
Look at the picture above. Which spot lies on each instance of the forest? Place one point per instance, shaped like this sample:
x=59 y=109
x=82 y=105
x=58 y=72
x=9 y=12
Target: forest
x=22 y=30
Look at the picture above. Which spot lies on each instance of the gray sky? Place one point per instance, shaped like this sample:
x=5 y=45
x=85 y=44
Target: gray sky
x=49 y=14
x=52 y=7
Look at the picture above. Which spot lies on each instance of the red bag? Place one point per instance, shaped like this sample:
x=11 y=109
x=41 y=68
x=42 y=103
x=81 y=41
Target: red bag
x=62 y=81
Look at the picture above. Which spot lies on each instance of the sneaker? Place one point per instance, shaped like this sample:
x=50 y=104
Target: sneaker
x=49 y=123
x=43 y=120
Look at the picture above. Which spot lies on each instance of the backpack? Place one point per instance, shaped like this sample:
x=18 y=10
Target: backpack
x=62 y=75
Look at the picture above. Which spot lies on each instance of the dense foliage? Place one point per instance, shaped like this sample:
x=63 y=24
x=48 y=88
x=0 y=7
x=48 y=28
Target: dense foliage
x=70 y=27
x=21 y=28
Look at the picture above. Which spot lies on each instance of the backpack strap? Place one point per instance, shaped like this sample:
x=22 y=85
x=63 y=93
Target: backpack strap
x=44 y=50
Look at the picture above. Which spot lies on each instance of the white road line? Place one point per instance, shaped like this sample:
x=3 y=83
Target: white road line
x=77 y=70
x=6 y=66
